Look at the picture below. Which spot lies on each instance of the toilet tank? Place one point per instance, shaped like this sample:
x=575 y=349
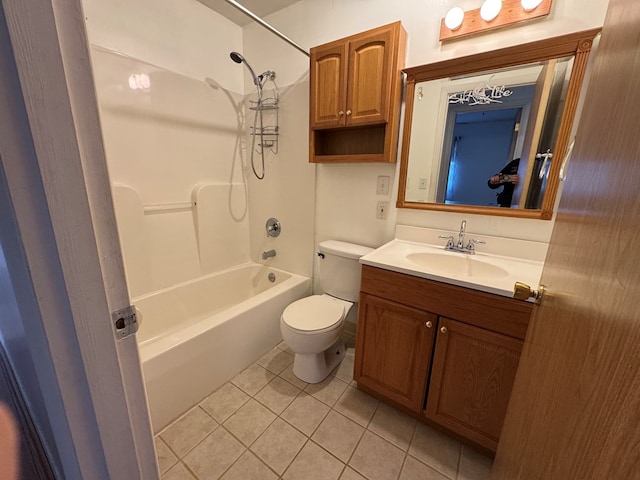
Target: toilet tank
x=339 y=268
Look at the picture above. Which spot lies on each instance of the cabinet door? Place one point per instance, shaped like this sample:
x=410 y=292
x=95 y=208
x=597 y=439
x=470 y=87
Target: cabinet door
x=328 y=85
x=370 y=78
x=471 y=380
x=393 y=350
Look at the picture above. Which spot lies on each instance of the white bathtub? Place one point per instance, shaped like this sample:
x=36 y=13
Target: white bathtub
x=197 y=335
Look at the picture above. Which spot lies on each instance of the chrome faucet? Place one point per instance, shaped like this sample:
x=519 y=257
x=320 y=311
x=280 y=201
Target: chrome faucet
x=459 y=247
x=268 y=254
x=463 y=226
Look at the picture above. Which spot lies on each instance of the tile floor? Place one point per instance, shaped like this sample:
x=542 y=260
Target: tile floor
x=267 y=424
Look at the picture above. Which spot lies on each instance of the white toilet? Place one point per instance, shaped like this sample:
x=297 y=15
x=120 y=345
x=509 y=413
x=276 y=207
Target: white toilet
x=311 y=327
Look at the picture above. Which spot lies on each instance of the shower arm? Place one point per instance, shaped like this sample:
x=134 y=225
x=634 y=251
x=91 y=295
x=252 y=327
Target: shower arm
x=260 y=21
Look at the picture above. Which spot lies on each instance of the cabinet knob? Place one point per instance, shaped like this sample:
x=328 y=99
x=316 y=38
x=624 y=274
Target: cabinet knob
x=429 y=324
x=348 y=112
x=443 y=329
x=341 y=113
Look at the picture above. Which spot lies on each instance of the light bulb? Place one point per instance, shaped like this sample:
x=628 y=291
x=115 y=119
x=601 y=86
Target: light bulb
x=490 y=9
x=453 y=18
x=528 y=5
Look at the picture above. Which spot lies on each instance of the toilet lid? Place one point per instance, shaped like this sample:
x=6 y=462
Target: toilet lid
x=313 y=313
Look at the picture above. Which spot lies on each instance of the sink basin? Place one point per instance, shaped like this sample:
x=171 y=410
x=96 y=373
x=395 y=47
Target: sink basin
x=460 y=265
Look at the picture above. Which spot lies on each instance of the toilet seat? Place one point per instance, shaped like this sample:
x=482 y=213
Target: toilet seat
x=314 y=313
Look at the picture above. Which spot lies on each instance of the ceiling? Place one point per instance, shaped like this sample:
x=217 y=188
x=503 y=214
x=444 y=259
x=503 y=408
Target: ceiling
x=260 y=7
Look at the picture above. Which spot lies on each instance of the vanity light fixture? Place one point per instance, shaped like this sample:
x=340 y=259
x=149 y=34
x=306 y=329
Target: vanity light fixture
x=454 y=17
x=490 y=9
x=528 y=5
x=491 y=15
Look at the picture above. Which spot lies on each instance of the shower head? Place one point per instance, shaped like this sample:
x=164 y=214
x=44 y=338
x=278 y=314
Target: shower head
x=236 y=57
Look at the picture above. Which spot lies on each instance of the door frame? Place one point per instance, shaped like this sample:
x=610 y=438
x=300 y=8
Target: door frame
x=61 y=224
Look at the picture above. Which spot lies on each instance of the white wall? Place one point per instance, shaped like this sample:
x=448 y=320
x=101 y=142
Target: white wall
x=346 y=198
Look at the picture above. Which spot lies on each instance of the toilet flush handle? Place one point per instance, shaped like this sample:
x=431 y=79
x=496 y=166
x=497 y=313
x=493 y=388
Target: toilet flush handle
x=320 y=254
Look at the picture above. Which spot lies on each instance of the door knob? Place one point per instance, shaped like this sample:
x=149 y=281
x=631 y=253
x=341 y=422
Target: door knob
x=443 y=329
x=522 y=291
x=340 y=113
x=429 y=324
x=348 y=112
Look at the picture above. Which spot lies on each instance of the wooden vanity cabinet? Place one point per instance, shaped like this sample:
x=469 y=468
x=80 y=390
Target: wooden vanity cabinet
x=355 y=96
x=394 y=349
x=447 y=354
x=472 y=376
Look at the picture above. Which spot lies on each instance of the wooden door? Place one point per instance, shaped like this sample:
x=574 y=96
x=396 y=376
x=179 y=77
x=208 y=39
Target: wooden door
x=471 y=380
x=328 y=85
x=575 y=408
x=370 y=77
x=534 y=130
x=393 y=350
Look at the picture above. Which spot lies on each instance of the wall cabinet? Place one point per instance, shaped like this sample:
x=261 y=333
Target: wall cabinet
x=355 y=96
x=444 y=353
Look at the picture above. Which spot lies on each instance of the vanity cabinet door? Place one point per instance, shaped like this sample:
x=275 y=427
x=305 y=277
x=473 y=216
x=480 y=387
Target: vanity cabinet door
x=393 y=350
x=471 y=380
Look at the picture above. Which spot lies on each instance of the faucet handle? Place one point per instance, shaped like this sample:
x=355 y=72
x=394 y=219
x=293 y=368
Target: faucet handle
x=450 y=243
x=471 y=246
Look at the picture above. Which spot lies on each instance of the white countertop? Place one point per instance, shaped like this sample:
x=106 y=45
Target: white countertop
x=393 y=256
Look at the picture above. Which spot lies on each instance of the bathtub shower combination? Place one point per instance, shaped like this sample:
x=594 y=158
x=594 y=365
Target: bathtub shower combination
x=196 y=335
x=207 y=311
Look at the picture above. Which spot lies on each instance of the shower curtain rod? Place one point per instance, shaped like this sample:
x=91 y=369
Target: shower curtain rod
x=256 y=18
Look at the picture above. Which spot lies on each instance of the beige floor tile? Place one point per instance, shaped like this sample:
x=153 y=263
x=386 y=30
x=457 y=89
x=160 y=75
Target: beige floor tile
x=313 y=463
x=338 y=435
x=224 y=402
x=285 y=347
x=344 y=371
x=328 y=391
x=290 y=377
x=275 y=360
x=166 y=458
x=305 y=413
x=277 y=395
x=377 y=459
x=474 y=465
x=357 y=405
x=279 y=445
x=436 y=450
x=350 y=474
x=178 y=472
x=252 y=379
x=187 y=431
x=249 y=421
x=214 y=455
x=248 y=467
x=415 y=470
x=393 y=425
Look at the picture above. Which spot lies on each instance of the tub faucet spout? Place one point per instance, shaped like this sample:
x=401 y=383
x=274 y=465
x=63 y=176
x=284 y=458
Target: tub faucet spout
x=268 y=254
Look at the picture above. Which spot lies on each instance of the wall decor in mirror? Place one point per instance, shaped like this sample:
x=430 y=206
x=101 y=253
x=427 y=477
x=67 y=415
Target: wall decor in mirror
x=487 y=133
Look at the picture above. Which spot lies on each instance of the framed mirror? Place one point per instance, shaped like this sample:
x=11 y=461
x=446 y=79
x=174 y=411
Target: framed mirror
x=487 y=133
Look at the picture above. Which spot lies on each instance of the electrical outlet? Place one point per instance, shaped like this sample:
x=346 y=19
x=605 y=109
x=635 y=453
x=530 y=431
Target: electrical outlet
x=383 y=185
x=422 y=183
x=381 y=210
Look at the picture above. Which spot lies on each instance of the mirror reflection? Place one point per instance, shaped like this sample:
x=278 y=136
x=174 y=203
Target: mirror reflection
x=487 y=139
x=488 y=133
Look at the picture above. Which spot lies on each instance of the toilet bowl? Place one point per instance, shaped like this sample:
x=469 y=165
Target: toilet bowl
x=311 y=328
